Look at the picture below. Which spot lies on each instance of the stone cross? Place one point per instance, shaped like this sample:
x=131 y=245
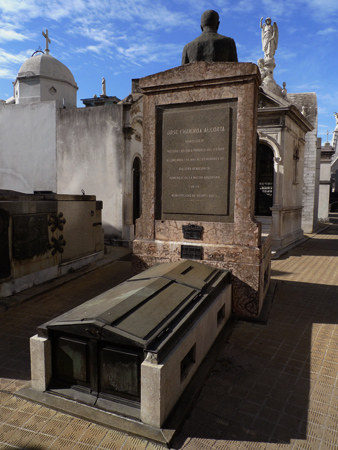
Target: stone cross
x=48 y=41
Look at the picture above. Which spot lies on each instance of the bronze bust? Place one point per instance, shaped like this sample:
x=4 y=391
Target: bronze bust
x=210 y=46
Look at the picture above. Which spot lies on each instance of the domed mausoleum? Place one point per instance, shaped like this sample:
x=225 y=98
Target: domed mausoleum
x=43 y=78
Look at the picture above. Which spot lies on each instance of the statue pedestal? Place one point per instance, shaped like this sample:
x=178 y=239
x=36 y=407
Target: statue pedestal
x=268 y=81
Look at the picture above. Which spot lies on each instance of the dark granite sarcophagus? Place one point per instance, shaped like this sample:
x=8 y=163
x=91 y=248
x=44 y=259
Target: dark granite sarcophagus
x=121 y=350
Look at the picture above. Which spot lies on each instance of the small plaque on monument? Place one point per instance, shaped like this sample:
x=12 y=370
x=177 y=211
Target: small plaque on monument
x=192 y=232
x=191 y=252
x=197 y=156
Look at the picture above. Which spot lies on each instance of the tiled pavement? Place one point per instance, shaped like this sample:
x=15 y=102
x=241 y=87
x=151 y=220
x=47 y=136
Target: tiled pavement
x=274 y=386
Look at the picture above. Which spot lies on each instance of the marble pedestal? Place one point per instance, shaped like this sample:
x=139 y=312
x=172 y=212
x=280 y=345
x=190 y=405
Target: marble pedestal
x=200 y=137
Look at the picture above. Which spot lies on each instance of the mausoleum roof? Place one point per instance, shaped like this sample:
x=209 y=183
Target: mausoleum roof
x=44 y=65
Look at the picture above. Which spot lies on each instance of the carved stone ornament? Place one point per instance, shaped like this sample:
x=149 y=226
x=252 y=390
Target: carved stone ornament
x=128 y=132
x=57 y=245
x=56 y=222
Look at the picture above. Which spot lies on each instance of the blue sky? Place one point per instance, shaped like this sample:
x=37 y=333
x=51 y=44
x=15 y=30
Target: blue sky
x=126 y=39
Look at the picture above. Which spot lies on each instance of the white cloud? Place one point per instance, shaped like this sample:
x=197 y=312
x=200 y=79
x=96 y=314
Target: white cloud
x=327 y=31
x=10 y=35
x=8 y=58
x=10 y=63
x=7 y=74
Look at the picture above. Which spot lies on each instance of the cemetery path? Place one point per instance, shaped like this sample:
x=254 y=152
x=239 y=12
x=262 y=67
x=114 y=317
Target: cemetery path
x=274 y=386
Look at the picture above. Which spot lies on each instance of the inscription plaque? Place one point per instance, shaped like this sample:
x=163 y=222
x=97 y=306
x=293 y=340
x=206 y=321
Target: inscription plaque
x=191 y=252
x=192 y=231
x=197 y=153
x=30 y=235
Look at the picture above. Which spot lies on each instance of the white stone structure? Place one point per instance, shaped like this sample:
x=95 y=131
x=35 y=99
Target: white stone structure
x=287 y=125
x=334 y=163
x=307 y=104
x=69 y=150
x=325 y=182
x=282 y=133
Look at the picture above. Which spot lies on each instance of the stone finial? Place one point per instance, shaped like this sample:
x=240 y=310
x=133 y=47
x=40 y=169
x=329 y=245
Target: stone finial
x=104 y=87
x=210 y=46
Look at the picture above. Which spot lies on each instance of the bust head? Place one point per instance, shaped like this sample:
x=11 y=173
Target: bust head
x=210 y=21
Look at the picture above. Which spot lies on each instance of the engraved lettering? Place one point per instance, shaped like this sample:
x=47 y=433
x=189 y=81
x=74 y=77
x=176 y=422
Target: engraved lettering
x=196 y=143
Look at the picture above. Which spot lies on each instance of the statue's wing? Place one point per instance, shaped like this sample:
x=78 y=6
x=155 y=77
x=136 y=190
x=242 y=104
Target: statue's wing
x=262 y=38
x=275 y=35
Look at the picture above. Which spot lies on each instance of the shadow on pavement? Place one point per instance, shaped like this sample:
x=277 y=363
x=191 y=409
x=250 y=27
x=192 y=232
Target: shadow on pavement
x=259 y=389
x=19 y=323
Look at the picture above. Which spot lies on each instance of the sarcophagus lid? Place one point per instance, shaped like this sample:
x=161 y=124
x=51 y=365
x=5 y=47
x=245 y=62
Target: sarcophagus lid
x=150 y=311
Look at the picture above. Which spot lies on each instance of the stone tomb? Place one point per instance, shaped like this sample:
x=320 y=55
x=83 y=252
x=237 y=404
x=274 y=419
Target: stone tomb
x=134 y=349
x=200 y=137
x=45 y=235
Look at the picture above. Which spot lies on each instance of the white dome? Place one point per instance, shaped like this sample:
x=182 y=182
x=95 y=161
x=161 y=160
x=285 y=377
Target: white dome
x=45 y=66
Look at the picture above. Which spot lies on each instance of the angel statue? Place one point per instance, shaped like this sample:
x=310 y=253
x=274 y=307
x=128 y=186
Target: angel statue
x=336 y=116
x=269 y=38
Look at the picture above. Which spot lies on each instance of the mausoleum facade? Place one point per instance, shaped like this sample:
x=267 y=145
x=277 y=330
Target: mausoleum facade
x=68 y=150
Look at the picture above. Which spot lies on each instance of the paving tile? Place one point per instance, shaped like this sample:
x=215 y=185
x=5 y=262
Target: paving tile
x=16 y=436
x=6 y=413
x=81 y=446
x=113 y=440
x=18 y=418
x=134 y=443
x=35 y=423
x=94 y=435
x=64 y=444
x=75 y=429
x=53 y=427
x=154 y=446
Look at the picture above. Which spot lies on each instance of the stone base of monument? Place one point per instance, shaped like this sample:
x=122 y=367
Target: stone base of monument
x=133 y=352
x=250 y=268
x=199 y=165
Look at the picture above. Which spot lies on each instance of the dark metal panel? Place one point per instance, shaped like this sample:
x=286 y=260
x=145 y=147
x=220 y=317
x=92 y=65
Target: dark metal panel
x=30 y=235
x=152 y=313
x=191 y=273
x=71 y=360
x=120 y=372
x=135 y=298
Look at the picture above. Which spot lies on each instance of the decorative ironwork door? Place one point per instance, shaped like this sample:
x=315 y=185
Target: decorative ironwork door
x=264 y=181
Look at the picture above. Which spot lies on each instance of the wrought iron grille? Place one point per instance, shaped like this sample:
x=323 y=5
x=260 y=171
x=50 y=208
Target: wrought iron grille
x=264 y=181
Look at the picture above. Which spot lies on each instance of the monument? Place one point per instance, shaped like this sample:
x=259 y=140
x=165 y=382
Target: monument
x=45 y=235
x=129 y=354
x=134 y=350
x=287 y=156
x=200 y=125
